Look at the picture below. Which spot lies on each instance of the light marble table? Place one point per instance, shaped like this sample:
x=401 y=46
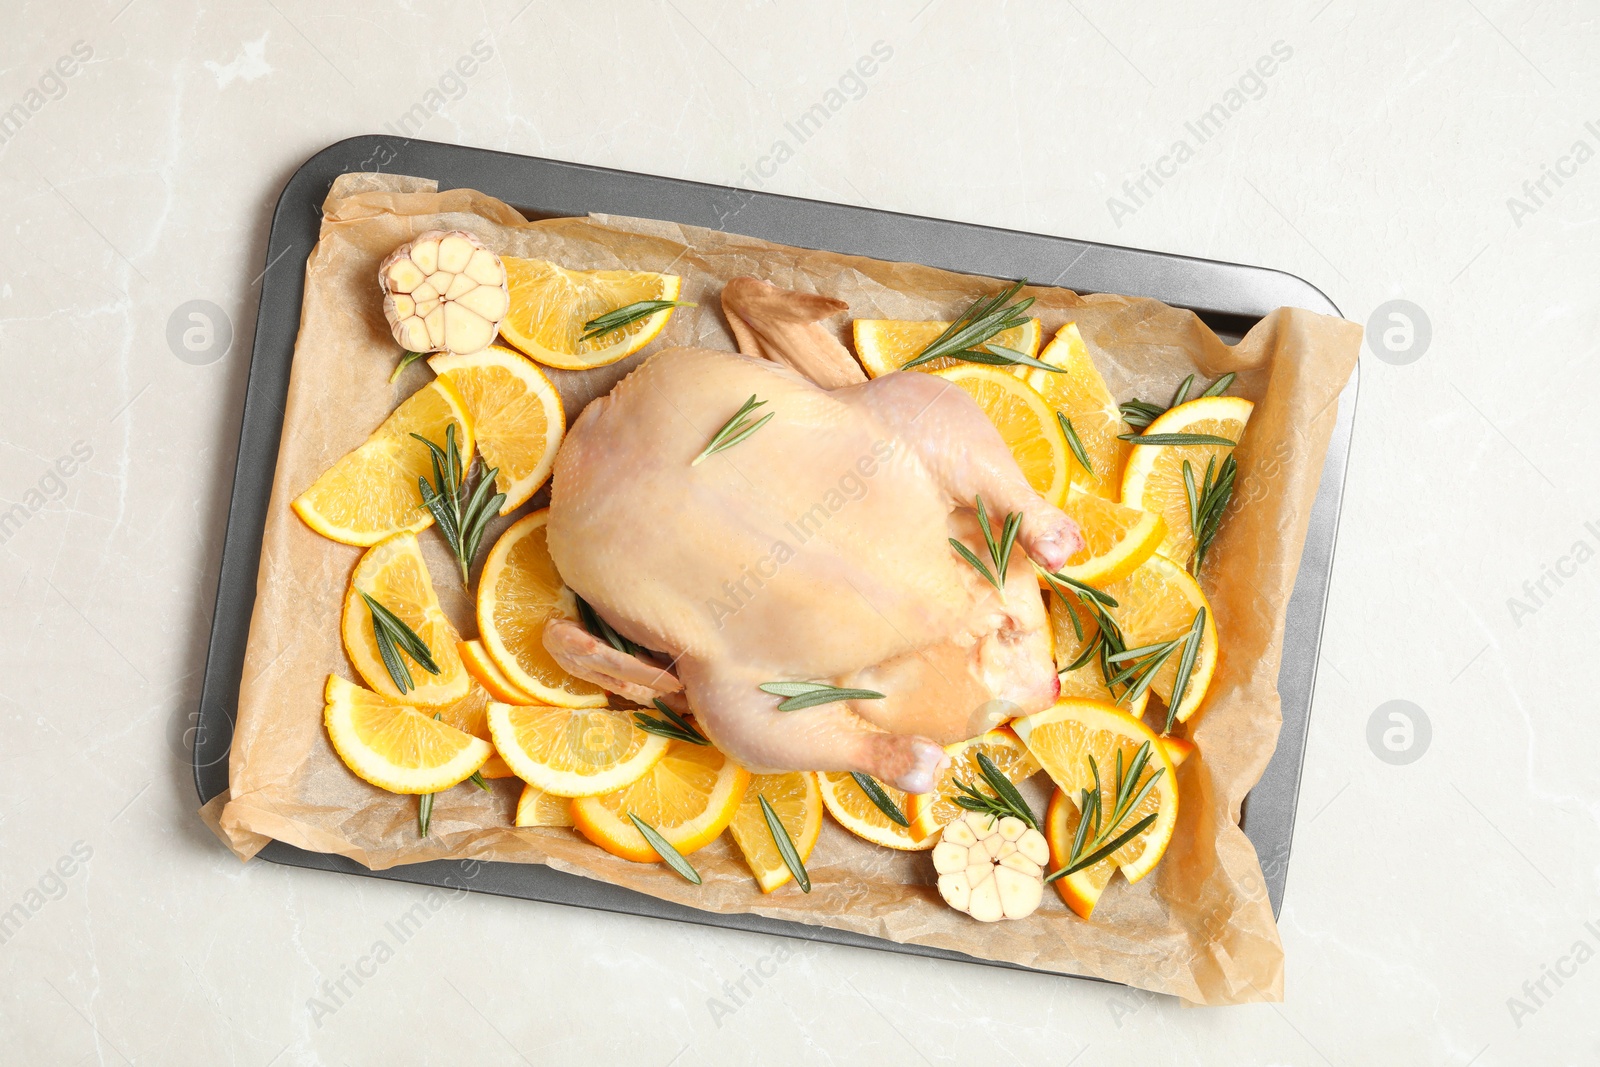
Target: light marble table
x=1439 y=911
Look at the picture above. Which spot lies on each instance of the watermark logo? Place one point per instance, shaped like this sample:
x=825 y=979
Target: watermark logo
x=199 y=332
x=1399 y=732
x=50 y=886
x=49 y=86
x=1399 y=332
x=1137 y=192
x=1538 y=591
x=51 y=485
x=450 y=87
x=1537 y=193
x=1537 y=992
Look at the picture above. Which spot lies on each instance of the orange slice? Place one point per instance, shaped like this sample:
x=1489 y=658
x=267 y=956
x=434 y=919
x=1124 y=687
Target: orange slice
x=1080 y=890
x=1026 y=423
x=689 y=796
x=372 y=492
x=396 y=746
x=518 y=590
x=885 y=345
x=797 y=799
x=852 y=809
x=1116 y=538
x=1081 y=395
x=929 y=812
x=393 y=573
x=470 y=715
x=1153 y=479
x=535 y=807
x=573 y=752
x=482 y=667
x=550 y=304
x=516 y=415
x=1063 y=738
x=1157 y=603
x=1087 y=681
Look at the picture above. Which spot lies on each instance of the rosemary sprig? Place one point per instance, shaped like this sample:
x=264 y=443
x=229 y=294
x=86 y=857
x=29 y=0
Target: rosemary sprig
x=461 y=517
x=393 y=637
x=629 y=314
x=1207 y=504
x=1176 y=439
x=880 y=799
x=600 y=628
x=669 y=855
x=1006 y=800
x=802 y=695
x=968 y=338
x=674 y=727
x=425 y=801
x=405 y=361
x=1075 y=443
x=1191 y=649
x=735 y=430
x=999 y=551
x=1141 y=413
x=786 y=849
x=1098 y=837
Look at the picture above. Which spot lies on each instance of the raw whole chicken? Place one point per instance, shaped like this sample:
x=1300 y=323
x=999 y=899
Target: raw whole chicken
x=815 y=550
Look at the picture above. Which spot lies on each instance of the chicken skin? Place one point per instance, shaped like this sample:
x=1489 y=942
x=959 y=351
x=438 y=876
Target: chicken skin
x=815 y=550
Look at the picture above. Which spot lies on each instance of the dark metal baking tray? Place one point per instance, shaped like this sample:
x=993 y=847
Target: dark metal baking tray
x=1229 y=296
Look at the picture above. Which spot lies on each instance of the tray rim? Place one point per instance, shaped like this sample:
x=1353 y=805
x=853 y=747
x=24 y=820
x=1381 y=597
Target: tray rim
x=1202 y=280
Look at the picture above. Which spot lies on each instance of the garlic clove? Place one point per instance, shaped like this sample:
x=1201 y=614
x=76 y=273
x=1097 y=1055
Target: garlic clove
x=955 y=889
x=404 y=276
x=425 y=254
x=1018 y=894
x=455 y=251
x=460 y=286
x=466 y=331
x=485 y=268
x=1012 y=828
x=949 y=857
x=490 y=301
x=985 y=904
x=1021 y=864
x=959 y=832
x=434 y=321
x=1035 y=847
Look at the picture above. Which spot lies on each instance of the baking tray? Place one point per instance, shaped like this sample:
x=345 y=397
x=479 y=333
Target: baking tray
x=1230 y=297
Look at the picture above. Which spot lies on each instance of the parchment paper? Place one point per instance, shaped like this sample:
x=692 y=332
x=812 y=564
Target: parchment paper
x=1200 y=927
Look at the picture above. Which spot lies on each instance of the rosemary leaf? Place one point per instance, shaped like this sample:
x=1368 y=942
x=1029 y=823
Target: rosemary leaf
x=1221 y=385
x=393 y=637
x=802 y=695
x=977 y=564
x=477 y=779
x=967 y=337
x=1191 y=649
x=786 y=849
x=1101 y=853
x=674 y=727
x=734 y=430
x=600 y=628
x=461 y=517
x=1075 y=443
x=1175 y=439
x=424 y=813
x=1006 y=791
x=405 y=361
x=627 y=315
x=881 y=799
x=669 y=855
x=1182 y=392
x=1215 y=492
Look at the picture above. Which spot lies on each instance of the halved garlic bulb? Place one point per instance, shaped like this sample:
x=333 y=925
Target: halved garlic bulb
x=991 y=868
x=444 y=292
